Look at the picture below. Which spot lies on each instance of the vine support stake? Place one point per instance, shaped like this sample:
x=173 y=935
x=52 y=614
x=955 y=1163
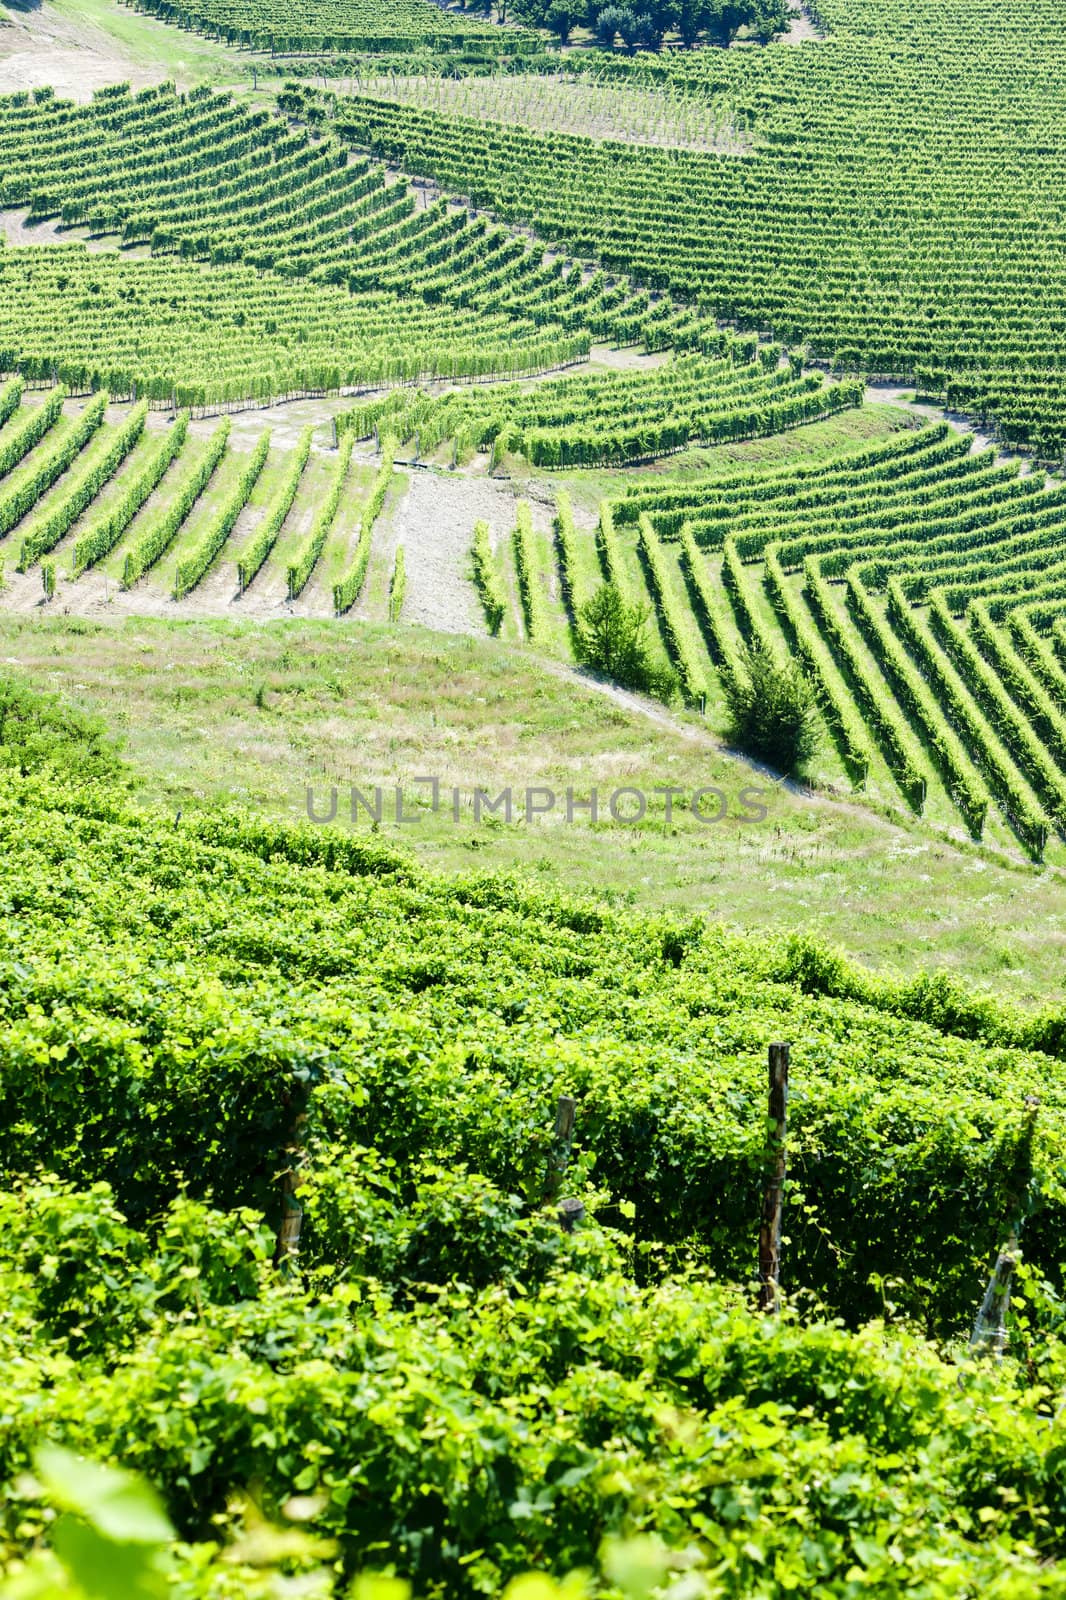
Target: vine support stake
x=773 y=1193
x=562 y=1140
x=288 y=1235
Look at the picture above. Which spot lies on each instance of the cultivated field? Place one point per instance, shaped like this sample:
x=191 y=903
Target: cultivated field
x=533 y=804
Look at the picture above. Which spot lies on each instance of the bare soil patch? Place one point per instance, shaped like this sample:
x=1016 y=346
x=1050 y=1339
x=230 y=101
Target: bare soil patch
x=627 y=358
x=435 y=524
x=804 y=29
x=39 y=49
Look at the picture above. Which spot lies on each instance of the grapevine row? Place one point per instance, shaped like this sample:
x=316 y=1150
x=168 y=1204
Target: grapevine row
x=191 y=569
x=266 y=534
x=347 y=591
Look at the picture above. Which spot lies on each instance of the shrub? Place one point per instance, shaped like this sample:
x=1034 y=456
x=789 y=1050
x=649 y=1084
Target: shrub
x=773 y=710
x=612 y=638
x=487 y=580
x=609 y=23
x=40 y=731
x=561 y=18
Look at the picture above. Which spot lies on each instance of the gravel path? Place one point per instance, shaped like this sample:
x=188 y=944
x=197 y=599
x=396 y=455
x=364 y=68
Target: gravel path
x=889 y=394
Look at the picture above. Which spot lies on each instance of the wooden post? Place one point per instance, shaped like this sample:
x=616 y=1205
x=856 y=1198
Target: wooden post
x=288 y=1236
x=288 y=1243
x=562 y=1140
x=773 y=1194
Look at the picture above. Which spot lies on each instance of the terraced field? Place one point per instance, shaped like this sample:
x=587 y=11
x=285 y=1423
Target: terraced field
x=202 y=178
x=919 y=581
x=618 y=419
x=908 y=578
x=161 y=507
x=339 y=25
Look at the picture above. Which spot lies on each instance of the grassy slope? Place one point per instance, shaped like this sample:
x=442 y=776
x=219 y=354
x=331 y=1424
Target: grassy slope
x=154 y=46
x=385 y=705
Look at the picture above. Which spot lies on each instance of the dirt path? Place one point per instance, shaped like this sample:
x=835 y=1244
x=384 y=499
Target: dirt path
x=286 y=420
x=889 y=394
x=803 y=28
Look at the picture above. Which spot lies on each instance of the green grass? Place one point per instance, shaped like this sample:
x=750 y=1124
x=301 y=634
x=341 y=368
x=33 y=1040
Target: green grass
x=314 y=487
x=109 y=496
x=587 y=570
x=155 y=508
x=222 y=485
x=393 y=704
x=557 y=642
x=513 y=627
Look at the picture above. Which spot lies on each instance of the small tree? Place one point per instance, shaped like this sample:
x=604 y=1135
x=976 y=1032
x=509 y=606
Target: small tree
x=612 y=638
x=608 y=23
x=724 y=20
x=688 y=17
x=773 y=710
x=648 y=33
x=561 y=17
x=628 y=28
x=770 y=18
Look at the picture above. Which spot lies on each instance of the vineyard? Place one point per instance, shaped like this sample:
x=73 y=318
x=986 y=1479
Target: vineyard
x=861 y=221
x=614 y=420
x=299 y=227
x=629 y=112
x=838 y=564
x=221 y=990
x=158 y=506
x=175 y=334
x=333 y=26
x=441 y=420
x=919 y=582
